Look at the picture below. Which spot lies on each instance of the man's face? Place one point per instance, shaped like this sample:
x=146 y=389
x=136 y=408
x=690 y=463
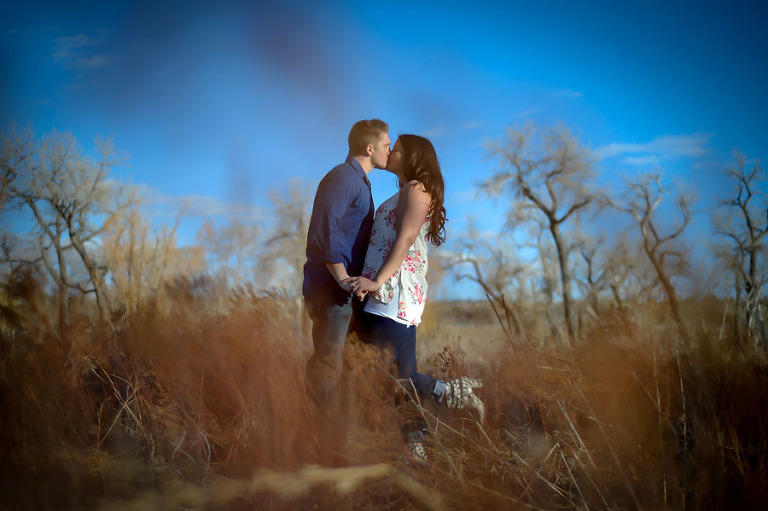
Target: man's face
x=380 y=153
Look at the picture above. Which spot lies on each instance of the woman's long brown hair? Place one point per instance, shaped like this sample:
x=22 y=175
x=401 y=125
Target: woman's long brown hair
x=420 y=164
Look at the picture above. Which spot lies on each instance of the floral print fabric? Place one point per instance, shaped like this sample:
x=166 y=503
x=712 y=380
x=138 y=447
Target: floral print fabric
x=410 y=278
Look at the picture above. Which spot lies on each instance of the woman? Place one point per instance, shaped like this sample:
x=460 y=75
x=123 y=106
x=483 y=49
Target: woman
x=394 y=274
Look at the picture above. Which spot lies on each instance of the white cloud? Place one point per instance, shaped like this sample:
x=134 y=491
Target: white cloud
x=96 y=61
x=464 y=196
x=650 y=160
x=435 y=132
x=67 y=47
x=528 y=112
x=199 y=206
x=205 y=206
x=76 y=41
x=661 y=148
x=441 y=130
x=567 y=93
x=80 y=51
x=470 y=125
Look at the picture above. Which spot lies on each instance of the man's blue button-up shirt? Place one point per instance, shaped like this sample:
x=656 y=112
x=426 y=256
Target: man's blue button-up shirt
x=339 y=229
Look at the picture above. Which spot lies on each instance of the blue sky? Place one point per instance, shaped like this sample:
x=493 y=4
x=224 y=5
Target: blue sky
x=218 y=103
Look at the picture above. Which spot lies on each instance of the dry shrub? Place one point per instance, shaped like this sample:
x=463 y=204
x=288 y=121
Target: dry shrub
x=620 y=421
x=213 y=388
x=203 y=406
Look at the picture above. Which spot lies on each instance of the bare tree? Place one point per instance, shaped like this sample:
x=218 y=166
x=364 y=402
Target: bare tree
x=494 y=267
x=71 y=199
x=552 y=175
x=142 y=259
x=234 y=248
x=284 y=251
x=642 y=200
x=623 y=272
x=285 y=248
x=547 y=288
x=745 y=227
x=15 y=149
x=125 y=242
x=609 y=275
x=594 y=274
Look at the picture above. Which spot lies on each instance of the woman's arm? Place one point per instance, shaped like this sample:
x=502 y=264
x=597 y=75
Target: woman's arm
x=412 y=210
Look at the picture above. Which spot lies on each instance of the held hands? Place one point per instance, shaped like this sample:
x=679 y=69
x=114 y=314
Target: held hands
x=343 y=284
x=360 y=286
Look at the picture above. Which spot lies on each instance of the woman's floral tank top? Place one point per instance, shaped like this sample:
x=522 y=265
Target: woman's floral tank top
x=410 y=278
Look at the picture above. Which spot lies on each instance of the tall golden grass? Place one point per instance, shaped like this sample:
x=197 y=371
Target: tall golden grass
x=204 y=407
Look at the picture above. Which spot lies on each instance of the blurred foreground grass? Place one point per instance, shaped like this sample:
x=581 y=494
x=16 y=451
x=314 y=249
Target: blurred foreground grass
x=204 y=408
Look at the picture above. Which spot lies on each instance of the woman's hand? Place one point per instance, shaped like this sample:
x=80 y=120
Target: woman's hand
x=361 y=286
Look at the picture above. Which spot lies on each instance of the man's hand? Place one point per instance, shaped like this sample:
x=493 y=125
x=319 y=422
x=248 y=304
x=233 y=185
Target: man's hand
x=340 y=274
x=346 y=287
x=361 y=286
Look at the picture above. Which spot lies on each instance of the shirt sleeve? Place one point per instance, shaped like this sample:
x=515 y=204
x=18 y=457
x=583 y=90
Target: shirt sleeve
x=338 y=196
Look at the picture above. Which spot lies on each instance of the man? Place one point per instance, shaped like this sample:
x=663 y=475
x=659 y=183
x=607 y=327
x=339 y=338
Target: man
x=337 y=240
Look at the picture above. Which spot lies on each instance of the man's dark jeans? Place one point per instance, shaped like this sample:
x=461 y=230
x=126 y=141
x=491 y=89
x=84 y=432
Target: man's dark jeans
x=330 y=325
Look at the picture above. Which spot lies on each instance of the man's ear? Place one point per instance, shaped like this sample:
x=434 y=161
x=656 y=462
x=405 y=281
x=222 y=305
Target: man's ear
x=369 y=149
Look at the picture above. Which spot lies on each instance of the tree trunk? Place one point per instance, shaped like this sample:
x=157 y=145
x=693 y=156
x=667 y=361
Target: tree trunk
x=565 y=280
x=669 y=290
x=754 y=318
x=102 y=301
x=62 y=278
x=63 y=292
x=737 y=330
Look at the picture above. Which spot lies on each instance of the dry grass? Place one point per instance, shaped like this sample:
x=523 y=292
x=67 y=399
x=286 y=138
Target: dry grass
x=204 y=408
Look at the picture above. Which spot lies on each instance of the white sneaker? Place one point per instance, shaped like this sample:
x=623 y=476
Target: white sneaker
x=417 y=451
x=459 y=395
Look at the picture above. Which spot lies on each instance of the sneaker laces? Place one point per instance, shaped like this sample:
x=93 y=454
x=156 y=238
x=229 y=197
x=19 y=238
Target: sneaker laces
x=417 y=450
x=459 y=395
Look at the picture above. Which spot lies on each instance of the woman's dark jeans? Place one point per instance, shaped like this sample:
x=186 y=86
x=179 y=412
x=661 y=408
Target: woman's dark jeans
x=398 y=340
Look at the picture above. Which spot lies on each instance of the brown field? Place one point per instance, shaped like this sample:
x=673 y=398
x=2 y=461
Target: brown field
x=203 y=407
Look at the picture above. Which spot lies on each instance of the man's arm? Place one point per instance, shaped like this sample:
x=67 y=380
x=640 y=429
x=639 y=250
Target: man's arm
x=335 y=249
x=339 y=273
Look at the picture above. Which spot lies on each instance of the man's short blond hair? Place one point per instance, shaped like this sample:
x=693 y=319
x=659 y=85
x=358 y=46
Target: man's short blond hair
x=365 y=132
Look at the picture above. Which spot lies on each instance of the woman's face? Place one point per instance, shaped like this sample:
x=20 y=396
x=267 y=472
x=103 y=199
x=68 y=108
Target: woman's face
x=395 y=161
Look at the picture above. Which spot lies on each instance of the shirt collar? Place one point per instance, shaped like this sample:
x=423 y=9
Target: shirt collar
x=358 y=168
